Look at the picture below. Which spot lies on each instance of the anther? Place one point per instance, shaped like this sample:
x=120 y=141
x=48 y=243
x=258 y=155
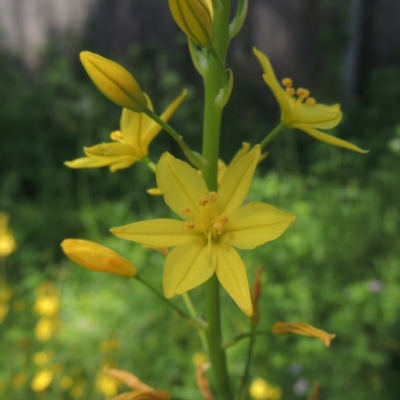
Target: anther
x=287 y=82
x=116 y=135
x=189 y=224
x=203 y=200
x=213 y=196
x=185 y=210
x=223 y=218
x=218 y=227
x=290 y=91
x=310 y=101
x=303 y=93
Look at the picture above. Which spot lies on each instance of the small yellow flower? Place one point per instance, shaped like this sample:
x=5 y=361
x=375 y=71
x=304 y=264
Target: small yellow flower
x=106 y=385
x=281 y=328
x=214 y=223
x=7 y=242
x=114 y=81
x=130 y=144
x=261 y=390
x=41 y=358
x=97 y=258
x=299 y=111
x=42 y=380
x=44 y=329
x=46 y=305
x=195 y=18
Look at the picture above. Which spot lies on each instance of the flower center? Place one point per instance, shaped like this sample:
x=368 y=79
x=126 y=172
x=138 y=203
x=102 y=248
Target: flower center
x=207 y=220
x=298 y=98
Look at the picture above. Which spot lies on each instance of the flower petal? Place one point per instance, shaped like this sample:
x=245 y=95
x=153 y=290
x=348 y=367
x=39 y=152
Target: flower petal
x=187 y=266
x=153 y=128
x=237 y=180
x=87 y=162
x=132 y=125
x=181 y=184
x=113 y=149
x=155 y=232
x=323 y=137
x=231 y=273
x=272 y=82
x=255 y=224
x=318 y=116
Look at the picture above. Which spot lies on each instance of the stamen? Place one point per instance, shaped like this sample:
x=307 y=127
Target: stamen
x=303 y=93
x=290 y=92
x=213 y=196
x=189 y=224
x=310 y=101
x=203 y=200
x=185 y=210
x=116 y=135
x=223 y=218
x=287 y=82
x=218 y=227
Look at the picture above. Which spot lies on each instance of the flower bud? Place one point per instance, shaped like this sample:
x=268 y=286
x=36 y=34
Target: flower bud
x=97 y=258
x=194 y=17
x=114 y=81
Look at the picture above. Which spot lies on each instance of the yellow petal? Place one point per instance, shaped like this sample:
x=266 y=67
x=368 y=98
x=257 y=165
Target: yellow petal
x=231 y=273
x=240 y=153
x=187 y=266
x=122 y=163
x=236 y=183
x=114 y=81
x=87 y=162
x=323 y=137
x=132 y=125
x=155 y=192
x=153 y=128
x=127 y=378
x=97 y=258
x=42 y=380
x=318 y=116
x=114 y=149
x=181 y=184
x=255 y=224
x=155 y=232
x=281 y=328
x=272 y=82
x=195 y=19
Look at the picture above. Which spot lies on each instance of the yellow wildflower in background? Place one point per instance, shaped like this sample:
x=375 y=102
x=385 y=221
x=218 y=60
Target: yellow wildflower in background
x=261 y=390
x=42 y=380
x=106 y=385
x=44 y=329
x=98 y=258
x=214 y=223
x=131 y=142
x=299 y=111
x=7 y=242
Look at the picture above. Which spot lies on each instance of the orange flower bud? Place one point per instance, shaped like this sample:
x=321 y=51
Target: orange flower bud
x=97 y=258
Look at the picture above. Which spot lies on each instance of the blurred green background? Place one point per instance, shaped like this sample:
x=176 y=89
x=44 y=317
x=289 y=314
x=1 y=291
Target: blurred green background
x=337 y=267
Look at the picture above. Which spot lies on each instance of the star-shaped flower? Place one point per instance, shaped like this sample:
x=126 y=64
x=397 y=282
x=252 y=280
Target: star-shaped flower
x=131 y=142
x=299 y=111
x=214 y=223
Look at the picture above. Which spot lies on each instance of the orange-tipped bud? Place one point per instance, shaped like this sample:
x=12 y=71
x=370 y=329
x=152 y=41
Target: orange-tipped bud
x=255 y=297
x=281 y=328
x=114 y=81
x=195 y=18
x=97 y=258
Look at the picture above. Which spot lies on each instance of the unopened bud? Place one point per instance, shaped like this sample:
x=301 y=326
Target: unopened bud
x=195 y=18
x=114 y=81
x=98 y=258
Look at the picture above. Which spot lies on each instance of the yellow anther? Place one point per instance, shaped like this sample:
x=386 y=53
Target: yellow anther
x=287 y=82
x=218 y=227
x=213 y=196
x=185 y=210
x=204 y=200
x=189 y=224
x=116 y=135
x=290 y=91
x=310 y=101
x=303 y=93
x=223 y=218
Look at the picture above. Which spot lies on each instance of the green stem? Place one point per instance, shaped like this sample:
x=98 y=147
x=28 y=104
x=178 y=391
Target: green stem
x=195 y=322
x=245 y=377
x=272 y=135
x=233 y=340
x=149 y=163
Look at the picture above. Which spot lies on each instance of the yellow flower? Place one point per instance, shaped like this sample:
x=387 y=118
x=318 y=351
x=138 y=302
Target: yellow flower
x=7 y=242
x=195 y=18
x=131 y=142
x=44 y=329
x=214 y=224
x=42 y=380
x=261 y=390
x=299 y=111
x=47 y=305
x=301 y=328
x=97 y=258
x=106 y=385
x=114 y=81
